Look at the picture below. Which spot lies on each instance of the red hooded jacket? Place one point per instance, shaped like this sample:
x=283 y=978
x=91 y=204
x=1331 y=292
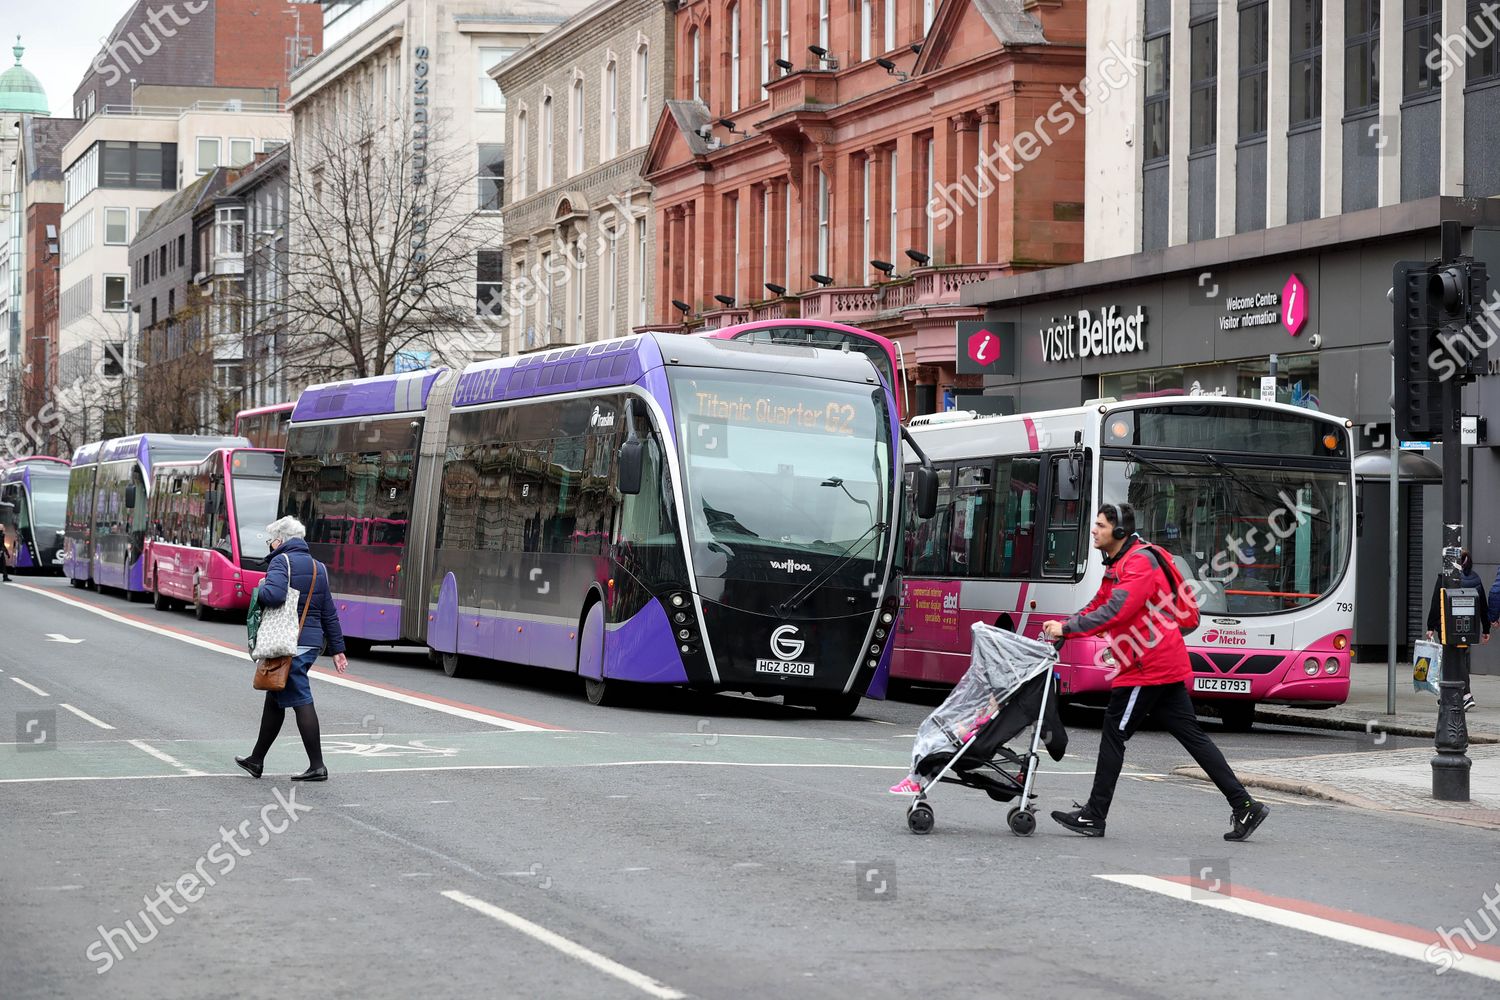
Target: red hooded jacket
x=1134 y=610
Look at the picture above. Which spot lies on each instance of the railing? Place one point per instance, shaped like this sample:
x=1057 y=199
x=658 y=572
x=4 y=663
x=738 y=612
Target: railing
x=213 y=107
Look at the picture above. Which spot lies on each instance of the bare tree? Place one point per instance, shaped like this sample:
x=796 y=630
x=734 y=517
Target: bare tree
x=183 y=393
x=380 y=258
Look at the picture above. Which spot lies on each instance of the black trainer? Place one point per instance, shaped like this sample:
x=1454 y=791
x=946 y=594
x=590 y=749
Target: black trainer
x=1247 y=820
x=1080 y=821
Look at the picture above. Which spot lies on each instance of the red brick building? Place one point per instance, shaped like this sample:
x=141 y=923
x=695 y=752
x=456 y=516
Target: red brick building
x=866 y=153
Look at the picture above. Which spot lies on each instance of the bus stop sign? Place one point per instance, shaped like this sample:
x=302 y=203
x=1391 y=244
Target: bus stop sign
x=986 y=348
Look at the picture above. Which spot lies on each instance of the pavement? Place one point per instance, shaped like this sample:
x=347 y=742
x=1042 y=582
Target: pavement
x=498 y=836
x=1416 y=711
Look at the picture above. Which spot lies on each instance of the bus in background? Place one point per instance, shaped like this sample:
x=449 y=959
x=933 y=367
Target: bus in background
x=1253 y=500
x=113 y=533
x=78 y=531
x=36 y=488
x=655 y=509
x=884 y=354
x=265 y=426
x=206 y=540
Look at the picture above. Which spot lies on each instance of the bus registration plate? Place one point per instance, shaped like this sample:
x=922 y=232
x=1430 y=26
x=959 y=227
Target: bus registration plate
x=783 y=667
x=1224 y=685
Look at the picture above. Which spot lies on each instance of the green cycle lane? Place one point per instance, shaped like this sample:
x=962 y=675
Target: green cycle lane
x=124 y=759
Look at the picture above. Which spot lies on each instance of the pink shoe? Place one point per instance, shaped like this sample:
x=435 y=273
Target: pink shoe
x=908 y=786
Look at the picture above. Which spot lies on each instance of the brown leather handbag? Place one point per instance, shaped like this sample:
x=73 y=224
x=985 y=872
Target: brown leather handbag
x=272 y=674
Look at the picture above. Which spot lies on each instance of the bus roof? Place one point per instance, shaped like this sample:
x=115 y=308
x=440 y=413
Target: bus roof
x=364 y=397
x=627 y=359
x=23 y=470
x=149 y=448
x=87 y=454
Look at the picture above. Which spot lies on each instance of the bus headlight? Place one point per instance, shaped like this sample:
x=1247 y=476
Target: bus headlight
x=680 y=617
x=1331 y=667
x=887 y=618
x=678 y=600
x=1311 y=666
x=1341 y=642
x=880 y=633
x=685 y=634
x=875 y=649
x=872 y=663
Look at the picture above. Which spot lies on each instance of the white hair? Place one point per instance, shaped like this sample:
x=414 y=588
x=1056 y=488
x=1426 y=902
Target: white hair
x=286 y=527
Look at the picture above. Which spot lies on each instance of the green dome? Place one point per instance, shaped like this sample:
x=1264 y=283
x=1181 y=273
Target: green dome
x=20 y=90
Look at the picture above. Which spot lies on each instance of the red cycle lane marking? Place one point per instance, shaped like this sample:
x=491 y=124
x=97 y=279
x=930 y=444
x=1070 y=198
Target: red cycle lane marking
x=239 y=650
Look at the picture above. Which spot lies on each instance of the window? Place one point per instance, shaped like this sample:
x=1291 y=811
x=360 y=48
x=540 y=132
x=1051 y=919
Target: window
x=1484 y=40
x=271 y=145
x=491 y=177
x=522 y=144
x=893 y=202
x=786 y=34
x=141 y=215
x=866 y=28
x=765 y=46
x=734 y=267
x=786 y=236
x=1063 y=553
x=489 y=283
x=823 y=23
x=575 y=290
x=1158 y=83
x=822 y=221
x=641 y=122
x=868 y=247
x=116 y=221
x=929 y=10
x=544 y=304
x=181 y=250
x=1254 y=60
x=241 y=152
x=488 y=90
x=695 y=38
x=1204 y=100
x=1361 y=54
x=890 y=23
x=575 y=122
x=544 y=132
x=229 y=232
x=114 y=293
x=640 y=271
x=208 y=155
x=931 y=192
x=611 y=111
x=610 y=292
x=1306 y=82
x=734 y=57
x=1424 y=19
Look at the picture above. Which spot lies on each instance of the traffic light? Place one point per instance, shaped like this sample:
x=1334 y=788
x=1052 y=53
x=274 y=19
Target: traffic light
x=1418 y=395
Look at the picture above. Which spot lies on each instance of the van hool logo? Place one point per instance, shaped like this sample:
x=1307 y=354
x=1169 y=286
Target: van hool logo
x=1224 y=638
x=791 y=566
x=784 y=645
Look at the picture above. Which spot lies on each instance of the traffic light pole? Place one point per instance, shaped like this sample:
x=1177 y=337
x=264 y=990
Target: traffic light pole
x=1450 y=768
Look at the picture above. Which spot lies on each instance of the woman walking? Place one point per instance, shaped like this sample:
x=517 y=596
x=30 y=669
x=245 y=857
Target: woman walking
x=292 y=565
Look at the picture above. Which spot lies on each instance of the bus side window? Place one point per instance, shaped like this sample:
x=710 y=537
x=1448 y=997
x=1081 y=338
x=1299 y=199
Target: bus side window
x=1064 y=526
x=934 y=534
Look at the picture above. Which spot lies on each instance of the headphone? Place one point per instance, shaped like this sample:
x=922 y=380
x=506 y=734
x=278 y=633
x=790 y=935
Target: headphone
x=1124 y=519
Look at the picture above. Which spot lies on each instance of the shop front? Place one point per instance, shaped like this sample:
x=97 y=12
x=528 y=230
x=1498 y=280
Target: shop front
x=1224 y=317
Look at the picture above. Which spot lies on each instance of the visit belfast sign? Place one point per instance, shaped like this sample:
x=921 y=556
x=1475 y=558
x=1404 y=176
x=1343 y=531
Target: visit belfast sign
x=1093 y=333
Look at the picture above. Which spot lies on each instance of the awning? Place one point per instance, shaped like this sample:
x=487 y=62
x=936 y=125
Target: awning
x=1414 y=467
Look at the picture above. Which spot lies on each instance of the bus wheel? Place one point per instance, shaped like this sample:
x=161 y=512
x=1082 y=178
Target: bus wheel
x=454 y=665
x=605 y=693
x=75 y=583
x=134 y=596
x=836 y=706
x=159 y=601
x=357 y=647
x=201 y=611
x=1238 y=716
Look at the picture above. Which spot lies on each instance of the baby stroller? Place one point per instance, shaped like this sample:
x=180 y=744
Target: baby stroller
x=1009 y=685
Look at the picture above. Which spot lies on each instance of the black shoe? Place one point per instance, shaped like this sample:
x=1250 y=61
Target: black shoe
x=1080 y=820
x=1469 y=703
x=251 y=766
x=1247 y=820
x=312 y=774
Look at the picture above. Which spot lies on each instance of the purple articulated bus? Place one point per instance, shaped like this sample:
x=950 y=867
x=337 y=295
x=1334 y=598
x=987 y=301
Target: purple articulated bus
x=36 y=490
x=656 y=509
x=107 y=501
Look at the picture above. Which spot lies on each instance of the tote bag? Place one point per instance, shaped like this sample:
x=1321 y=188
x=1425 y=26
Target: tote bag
x=280 y=627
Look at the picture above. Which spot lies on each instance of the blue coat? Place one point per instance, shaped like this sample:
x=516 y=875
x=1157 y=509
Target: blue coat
x=322 y=625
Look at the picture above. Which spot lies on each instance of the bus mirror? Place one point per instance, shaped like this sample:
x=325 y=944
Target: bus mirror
x=632 y=458
x=1069 y=476
x=925 y=486
x=130 y=496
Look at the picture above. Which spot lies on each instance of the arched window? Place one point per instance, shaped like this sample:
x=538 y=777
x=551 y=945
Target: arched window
x=734 y=57
x=765 y=46
x=611 y=98
x=866 y=28
x=575 y=127
x=786 y=32
x=697 y=50
x=523 y=164
x=544 y=130
x=640 y=124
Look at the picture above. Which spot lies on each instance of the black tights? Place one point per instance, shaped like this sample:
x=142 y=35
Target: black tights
x=271 y=718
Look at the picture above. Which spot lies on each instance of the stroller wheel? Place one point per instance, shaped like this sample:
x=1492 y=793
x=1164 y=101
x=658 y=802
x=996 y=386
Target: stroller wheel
x=919 y=818
x=1022 y=821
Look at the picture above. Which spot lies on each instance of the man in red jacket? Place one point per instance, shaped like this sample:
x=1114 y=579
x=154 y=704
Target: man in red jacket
x=1142 y=612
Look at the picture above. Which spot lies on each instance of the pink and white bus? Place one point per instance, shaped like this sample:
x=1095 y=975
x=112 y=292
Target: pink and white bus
x=884 y=354
x=1253 y=500
x=206 y=529
x=265 y=426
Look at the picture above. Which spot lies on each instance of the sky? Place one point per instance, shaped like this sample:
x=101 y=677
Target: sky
x=61 y=39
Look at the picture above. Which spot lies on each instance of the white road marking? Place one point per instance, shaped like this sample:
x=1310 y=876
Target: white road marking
x=165 y=758
x=236 y=653
x=572 y=949
x=1338 y=930
x=86 y=717
x=59 y=637
x=31 y=687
